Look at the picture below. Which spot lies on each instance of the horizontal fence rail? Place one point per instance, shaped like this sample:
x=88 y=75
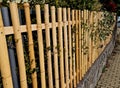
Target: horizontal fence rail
x=56 y=51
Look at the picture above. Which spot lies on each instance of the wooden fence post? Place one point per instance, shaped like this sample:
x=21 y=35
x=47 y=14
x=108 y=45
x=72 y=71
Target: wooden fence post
x=4 y=59
x=55 y=51
x=80 y=57
x=82 y=50
x=60 y=36
x=99 y=42
x=76 y=44
x=66 y=47
x=18 y=42
x=73 y=46
x=47 y=33
x=40 y=46
x=30 y=44
x=84 y=41
x=11 y=51
x=95 y=41
x=70 y=48
x=90 y=40
x=87 y=40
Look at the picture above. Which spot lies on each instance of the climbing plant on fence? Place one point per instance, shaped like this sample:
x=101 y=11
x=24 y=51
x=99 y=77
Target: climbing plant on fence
x=106 y=23
x=100 y=30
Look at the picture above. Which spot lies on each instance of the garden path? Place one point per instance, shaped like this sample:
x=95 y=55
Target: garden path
x=110 y=77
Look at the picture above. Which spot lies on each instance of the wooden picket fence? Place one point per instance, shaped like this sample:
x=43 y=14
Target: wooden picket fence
x=67 y=65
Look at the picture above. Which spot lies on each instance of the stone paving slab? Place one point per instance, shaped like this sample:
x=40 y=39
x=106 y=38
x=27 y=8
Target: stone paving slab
x=110 y=77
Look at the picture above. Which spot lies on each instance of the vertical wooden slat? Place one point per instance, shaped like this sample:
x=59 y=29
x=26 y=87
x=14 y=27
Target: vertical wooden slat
x=99 y=42
x=87 y=40
x=83 y=60
x=86 y=28
x=47 y=34
x=73 y=46
x=54 y=46
x=83 y=42
x=40 y=46
x=4 y=59
x=60 y=36
x=11 y=51
x=66 y=47
x=82 y=38
x=90 y=41
x=30 y=44
x=95 y=44
x=18 y=42
x=101 y=28
x=70 y=47
x=94 y=41
x=79 y=35
x=93 y=56
x=76 y=39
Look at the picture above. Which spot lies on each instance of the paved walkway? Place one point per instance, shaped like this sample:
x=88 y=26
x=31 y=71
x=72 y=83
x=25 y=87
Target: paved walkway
x=111 y=73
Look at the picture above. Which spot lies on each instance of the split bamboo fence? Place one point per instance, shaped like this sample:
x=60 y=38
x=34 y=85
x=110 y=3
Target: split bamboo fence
x=66 y=50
